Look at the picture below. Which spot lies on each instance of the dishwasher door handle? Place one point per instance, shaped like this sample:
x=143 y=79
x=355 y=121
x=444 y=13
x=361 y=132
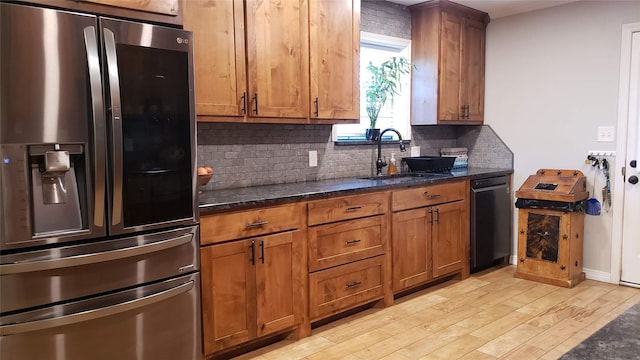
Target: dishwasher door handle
x=490 y=188
x=491 y=182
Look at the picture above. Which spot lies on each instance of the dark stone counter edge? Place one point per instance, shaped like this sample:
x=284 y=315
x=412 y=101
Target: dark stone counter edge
x=215 y=201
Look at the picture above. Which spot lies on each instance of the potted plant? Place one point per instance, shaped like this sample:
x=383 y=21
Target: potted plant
x=383 y=84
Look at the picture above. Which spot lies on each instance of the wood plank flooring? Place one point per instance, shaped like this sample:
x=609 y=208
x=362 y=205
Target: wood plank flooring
x=490 y=315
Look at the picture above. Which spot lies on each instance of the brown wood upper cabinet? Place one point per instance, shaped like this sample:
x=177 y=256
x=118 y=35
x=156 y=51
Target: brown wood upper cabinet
x=448 y=50
x=274 y=81
x=219 y=64
x=166 y=7
x=334 y=55
x=265 y=61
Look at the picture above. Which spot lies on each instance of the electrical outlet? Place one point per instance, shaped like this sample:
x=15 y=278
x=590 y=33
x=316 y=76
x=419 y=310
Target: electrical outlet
x=606 y=133
x=415 y=151
x=313 y=158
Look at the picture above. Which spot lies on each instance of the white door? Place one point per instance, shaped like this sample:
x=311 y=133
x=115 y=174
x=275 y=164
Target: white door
x=630 y=274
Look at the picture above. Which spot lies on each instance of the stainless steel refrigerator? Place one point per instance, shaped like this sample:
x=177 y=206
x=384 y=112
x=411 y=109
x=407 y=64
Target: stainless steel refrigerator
x=99 y=227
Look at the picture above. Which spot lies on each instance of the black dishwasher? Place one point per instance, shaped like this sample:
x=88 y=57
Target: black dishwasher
x=490 y=222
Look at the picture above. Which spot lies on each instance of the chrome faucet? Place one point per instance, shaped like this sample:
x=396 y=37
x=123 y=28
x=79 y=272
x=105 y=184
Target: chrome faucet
x=379 y=162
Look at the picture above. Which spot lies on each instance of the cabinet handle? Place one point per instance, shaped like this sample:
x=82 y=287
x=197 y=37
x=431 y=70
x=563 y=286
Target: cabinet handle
x=316 y=105
x=432 y=196
x=262 y=252
x=351 y=285
x=437 y=216
x=255 y=102
x=354 y=208
x=256 y=224
x=351 y=242
x=465 y=111
x=244 y=103
x=430 y=216
x=253 y=253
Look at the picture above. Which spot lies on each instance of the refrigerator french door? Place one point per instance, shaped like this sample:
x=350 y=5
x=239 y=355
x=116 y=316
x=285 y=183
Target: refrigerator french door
x=99 y=229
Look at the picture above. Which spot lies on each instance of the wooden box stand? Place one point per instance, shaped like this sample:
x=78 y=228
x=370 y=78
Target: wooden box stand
x=550 y=246
x=550 y=227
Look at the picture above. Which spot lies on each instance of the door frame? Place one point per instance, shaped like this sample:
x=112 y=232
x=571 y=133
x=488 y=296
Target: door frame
x=621 y=150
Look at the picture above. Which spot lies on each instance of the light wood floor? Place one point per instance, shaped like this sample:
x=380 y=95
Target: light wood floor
x=490 y=315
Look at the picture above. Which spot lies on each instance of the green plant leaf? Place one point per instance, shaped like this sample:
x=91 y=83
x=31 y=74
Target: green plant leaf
x=384 y=83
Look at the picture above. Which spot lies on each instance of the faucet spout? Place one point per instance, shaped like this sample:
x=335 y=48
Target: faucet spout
x=379 y=162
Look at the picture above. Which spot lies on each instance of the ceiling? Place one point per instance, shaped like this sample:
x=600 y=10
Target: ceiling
x=498 y=8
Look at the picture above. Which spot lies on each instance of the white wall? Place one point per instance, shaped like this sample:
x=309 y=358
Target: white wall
x=551 y=79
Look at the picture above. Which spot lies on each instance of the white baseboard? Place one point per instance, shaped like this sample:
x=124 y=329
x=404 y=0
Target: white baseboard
x=590 y=274
x=597 y=275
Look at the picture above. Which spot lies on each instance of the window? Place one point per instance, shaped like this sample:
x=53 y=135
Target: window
x=378 y=48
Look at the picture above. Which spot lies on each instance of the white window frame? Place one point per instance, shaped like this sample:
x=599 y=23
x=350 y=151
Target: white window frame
x=401 y=104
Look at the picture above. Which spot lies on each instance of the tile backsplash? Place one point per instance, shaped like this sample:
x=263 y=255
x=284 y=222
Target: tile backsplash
x=260 y=154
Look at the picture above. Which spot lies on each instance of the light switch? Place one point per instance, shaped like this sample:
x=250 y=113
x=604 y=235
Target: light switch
x=606 y=133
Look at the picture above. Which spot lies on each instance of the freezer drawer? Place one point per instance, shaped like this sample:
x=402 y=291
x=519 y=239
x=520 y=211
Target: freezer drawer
x=41 y=277
x=157 y=321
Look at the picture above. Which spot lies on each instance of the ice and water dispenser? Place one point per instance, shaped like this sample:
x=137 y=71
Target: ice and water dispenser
x=55 y=193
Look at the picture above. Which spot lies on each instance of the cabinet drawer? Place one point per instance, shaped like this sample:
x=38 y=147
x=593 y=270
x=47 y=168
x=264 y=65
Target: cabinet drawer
x=429 y=195
x=343 y=242
x=347 y=207
x=345 y=286
x=241 y=224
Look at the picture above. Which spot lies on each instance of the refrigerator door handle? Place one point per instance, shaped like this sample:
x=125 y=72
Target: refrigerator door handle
x=116 y=123
x=84 y=259
x=96 y=313
x=97 y=106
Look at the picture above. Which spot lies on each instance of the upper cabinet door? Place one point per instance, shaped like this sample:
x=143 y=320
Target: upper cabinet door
x=456 y=84
x=473 y=56
x=449 y=101
x=218 y=28
x=334 y=59
x=277 y=58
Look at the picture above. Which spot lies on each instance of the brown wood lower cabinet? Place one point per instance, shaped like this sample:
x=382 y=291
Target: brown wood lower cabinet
x=250 y=288
x=349 y=262
x=346 y=286
x=429 y=241
x=277 y=269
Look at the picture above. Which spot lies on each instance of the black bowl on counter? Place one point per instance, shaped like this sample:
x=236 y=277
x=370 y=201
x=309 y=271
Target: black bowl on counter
x=429 y=163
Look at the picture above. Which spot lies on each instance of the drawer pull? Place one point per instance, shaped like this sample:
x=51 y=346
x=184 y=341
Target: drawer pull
x=432 y=196
x=354 y=208
x=351 y=242
x=256 y=224
x=351 y=285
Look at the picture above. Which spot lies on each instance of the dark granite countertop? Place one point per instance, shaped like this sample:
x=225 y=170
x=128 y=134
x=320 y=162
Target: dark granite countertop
x=212 y=201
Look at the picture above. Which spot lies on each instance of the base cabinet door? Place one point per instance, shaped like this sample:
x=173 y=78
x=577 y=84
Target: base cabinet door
x=228 y=295
x=448 y=238
x=276 y=282
x=249 y=288
x=411 y=248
